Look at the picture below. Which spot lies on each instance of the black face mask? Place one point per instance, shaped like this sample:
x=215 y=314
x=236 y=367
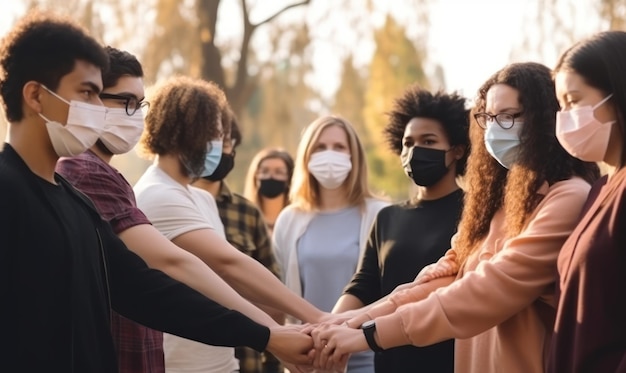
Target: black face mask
x=425 y=166
x=227 y=162
x=272 y=188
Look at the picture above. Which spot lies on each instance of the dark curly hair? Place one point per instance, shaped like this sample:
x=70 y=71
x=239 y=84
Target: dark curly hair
x=185 y=114
x=447 y=109
x=42 y=47
x=489 y=186
x=600 y=60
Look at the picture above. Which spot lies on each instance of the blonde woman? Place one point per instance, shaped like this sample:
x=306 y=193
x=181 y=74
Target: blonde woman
x=268 y=181
x=319 y=239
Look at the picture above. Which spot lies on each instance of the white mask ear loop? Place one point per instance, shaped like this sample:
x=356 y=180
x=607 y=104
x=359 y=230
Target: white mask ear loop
x=602 y=102
x=54 y=94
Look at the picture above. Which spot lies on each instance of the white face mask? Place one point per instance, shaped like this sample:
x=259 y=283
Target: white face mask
x=330 y=168
x=121 y=131
x=85 y=123
x=581 y=134
x=503 y=145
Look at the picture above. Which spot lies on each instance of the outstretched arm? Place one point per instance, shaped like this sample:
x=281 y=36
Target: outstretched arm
x=153 y=299
x=160 y=253
x=245 y=274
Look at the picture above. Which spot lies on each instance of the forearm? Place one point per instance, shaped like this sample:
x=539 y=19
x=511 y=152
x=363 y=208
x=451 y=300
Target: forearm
x=162 y=254
x=153 y=299
x=247 y=276
x=200 y=277
x=347 y=302
x=276 y=315
x=260 y=286
x=390 y=303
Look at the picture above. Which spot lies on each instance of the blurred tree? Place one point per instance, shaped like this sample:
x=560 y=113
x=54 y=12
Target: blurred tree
x=397 y=62
x=614 y=11
x=283 y=102
x=557 y=24
x=185 y=42
x=350 y=98
x=240 y=90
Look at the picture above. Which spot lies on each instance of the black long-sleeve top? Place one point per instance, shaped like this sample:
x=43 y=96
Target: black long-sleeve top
x=405 y=238
x=61 y=271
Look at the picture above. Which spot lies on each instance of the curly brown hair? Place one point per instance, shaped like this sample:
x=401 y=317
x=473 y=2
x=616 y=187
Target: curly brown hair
x=185 y=115
x=540 y=159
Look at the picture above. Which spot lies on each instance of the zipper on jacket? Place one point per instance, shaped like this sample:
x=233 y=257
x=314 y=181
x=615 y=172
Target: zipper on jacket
x=106 y=276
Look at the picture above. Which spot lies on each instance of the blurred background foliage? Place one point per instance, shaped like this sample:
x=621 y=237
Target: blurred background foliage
x=262 y=55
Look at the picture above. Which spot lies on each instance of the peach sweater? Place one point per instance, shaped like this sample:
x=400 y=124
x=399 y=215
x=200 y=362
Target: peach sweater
x=499 y=304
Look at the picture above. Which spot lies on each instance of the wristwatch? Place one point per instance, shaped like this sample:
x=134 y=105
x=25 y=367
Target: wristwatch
x=369 y=328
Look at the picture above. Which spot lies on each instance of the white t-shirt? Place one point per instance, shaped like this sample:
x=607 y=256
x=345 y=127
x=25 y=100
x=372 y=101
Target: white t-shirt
x=175 y=209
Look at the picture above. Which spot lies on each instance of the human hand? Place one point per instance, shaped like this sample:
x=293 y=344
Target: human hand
x=333 y=345
x=290 y=345
x=292 y=368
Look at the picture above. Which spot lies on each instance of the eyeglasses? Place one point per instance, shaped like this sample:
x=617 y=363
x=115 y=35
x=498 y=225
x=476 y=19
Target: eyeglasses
x=131 y=103
x=504 y=120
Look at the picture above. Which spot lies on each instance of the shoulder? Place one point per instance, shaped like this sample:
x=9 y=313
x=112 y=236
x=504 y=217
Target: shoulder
x=249 y=206
x=152 y=192
x=290 y=219
x=83 y=161
x=565 y=198
x=203 y=196
x=374 y=205
x=393 y=209
x=570 y=188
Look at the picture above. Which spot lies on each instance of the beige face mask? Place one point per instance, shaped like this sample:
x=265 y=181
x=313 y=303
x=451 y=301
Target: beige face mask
x=330 y=168
x=121 y=131
x=85 y=123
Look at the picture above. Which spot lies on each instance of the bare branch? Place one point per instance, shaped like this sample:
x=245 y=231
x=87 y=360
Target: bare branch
x=270 y=18
x=246 y=15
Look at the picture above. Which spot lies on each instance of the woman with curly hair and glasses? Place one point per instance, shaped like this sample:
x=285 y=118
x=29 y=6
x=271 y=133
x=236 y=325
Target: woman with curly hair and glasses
x=429 y=133
x=494 y=290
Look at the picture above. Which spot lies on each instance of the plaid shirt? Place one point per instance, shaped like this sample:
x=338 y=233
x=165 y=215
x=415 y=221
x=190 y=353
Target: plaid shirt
x=246 y=230
x=139 y=349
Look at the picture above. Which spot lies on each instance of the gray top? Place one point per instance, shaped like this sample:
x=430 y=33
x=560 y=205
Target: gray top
x=328 y=254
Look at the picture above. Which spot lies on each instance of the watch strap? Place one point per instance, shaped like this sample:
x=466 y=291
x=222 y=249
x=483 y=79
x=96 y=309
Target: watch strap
x=369 y=331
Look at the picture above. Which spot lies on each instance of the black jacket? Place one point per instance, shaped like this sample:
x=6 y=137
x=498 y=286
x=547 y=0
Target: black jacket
x=61 y=273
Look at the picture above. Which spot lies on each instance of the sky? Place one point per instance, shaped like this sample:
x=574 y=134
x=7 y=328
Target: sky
x=470 y=39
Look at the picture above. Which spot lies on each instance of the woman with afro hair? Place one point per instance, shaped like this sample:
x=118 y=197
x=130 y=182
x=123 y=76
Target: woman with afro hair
x=494 y=291
x=429 y=133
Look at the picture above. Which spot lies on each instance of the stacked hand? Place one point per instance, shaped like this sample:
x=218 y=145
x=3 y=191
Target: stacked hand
x=321 y=347
x=333 y=344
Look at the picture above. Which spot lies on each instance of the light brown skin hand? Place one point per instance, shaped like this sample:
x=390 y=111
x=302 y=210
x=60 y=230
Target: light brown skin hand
x=290 y=345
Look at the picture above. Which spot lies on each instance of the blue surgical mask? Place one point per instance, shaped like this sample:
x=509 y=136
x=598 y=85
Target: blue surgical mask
x=503 y=145
x=212 y=157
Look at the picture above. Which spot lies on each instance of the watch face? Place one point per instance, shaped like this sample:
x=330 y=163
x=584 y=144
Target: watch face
x=368 y=324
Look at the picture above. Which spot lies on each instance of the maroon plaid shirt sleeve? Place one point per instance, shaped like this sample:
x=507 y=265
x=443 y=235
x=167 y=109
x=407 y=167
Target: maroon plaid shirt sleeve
x=108 y=189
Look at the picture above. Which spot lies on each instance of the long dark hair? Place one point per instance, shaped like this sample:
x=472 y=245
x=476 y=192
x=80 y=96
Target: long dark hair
x=600 y=60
